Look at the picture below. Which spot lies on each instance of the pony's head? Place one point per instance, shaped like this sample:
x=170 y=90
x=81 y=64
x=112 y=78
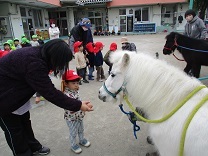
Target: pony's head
x=112 y=89
x=170 y=44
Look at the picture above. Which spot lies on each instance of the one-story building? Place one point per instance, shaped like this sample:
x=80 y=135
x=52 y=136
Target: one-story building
x=19 y=17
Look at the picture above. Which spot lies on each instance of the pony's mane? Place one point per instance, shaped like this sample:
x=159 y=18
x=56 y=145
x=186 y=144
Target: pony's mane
x=151 y=81
x=185 y=38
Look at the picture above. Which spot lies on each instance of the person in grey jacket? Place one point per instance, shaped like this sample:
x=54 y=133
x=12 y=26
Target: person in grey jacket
x=195 y=27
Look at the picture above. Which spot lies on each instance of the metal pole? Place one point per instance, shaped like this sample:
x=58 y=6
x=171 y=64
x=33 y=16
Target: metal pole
x=191 y=4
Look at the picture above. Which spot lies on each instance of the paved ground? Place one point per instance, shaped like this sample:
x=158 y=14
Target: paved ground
x=108 y=130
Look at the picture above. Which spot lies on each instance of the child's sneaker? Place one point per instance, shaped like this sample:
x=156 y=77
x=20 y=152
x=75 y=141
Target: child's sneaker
x=76 y=149
x=85 y=143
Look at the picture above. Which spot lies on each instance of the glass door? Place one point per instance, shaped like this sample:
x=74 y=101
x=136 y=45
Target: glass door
x=62 y=25
x=130 y=23
x=28 y=27
x=98 y=24
x=123 y=23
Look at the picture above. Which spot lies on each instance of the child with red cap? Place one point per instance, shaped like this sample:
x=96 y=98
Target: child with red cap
x=81 y=61
x=74 y=120
x=113 y=47
x=99 y=61
x=91 y=58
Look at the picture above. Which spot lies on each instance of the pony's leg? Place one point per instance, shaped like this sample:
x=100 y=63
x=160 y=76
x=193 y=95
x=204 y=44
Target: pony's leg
x=187 y=68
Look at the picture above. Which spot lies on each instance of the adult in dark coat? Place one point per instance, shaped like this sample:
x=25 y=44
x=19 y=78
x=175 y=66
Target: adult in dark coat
x=81 y=32
x=24 y=72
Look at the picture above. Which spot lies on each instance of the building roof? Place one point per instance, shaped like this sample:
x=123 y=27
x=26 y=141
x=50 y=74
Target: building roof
x=51 y=2
x=117 y=3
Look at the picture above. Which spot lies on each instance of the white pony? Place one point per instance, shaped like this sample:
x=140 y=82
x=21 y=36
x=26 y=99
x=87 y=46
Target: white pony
x=157 y=88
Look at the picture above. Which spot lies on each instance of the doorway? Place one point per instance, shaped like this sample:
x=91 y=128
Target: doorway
x=130 y=23
x=62 y=24
x=28 y=27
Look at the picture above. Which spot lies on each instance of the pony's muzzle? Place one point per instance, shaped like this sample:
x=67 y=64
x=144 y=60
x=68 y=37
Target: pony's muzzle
x=101 y=97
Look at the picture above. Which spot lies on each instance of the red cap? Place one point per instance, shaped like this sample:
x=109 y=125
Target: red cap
x=98 y=46
x=76 y=46
x=70 y=75
x=113 y=46
x=90 y=47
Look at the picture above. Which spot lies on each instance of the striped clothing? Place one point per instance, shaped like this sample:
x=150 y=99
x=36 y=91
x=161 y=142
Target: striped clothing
x=74 y=120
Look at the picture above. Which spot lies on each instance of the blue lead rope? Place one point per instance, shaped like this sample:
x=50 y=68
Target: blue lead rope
x=132 y=119
x=204 y=51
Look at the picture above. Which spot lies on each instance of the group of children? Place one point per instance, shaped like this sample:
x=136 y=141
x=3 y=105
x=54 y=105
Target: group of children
x=11 y=45
x=91 y=56
x=14 y=44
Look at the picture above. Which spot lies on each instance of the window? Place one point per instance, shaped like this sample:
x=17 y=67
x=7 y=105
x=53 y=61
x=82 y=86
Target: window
x=142 y=14
x=167 y=14
x=90 y=14
x=131 y=11
x=122 y=11
x=23 y=12
x=97 y=14
x=63 y=14
x=38 y=18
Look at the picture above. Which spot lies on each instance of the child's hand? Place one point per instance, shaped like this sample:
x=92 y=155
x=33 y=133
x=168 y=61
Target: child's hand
x=86 y=106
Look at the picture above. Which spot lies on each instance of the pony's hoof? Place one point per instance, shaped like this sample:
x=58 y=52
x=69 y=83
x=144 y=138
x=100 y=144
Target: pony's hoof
x=149 y=140
x=153 y=154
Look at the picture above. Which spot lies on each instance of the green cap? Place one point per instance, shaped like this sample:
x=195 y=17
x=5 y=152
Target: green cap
x=10 y=42
x=25 y=40
x=34 y=36
x=7 y=43
x=23 y=36
x=16 y=39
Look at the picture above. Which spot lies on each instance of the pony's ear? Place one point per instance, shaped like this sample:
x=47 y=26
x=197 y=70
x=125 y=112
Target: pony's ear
x=125 y=60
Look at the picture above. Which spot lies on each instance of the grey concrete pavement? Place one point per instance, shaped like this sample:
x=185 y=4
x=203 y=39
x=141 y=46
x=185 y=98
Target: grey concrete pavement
x=107 y=128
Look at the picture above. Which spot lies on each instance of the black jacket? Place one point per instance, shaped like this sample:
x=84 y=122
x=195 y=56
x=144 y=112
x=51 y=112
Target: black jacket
x=24 y=72
x=80 y=35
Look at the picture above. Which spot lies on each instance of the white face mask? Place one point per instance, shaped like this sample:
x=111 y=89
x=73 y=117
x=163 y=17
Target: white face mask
x=84 y=28
x=52 y=25
x=189 y=17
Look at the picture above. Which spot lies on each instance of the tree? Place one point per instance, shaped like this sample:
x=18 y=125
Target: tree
x=201 y=5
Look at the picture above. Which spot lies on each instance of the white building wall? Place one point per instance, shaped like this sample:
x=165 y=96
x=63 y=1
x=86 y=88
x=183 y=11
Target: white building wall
x=16 y=21
x=181 y=9
x=70 y=15
x=113 y=18
x=46 y=23
x=155 y=15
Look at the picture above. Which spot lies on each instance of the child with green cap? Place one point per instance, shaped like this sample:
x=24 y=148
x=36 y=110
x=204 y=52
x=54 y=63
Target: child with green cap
x=25 y=42
x=17 y=44
x=34 y=41
x=11 y=44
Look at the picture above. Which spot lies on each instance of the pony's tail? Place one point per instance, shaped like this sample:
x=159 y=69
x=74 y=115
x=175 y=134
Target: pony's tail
x=62 y=86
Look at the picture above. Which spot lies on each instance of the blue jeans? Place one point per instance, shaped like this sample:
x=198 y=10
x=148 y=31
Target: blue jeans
x=91 y=70
x=82 y=73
